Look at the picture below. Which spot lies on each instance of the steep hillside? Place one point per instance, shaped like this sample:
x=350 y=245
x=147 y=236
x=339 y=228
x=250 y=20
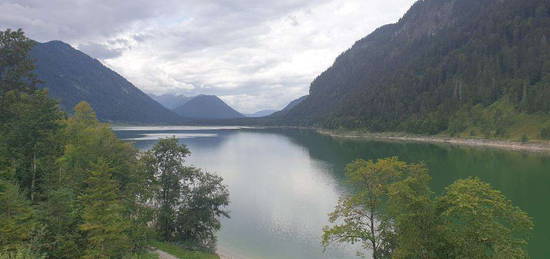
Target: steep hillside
x=171 y=101
x=261 y=113
x=289 y=106
x=72 y=76
x=207 y=107
x=444 y=61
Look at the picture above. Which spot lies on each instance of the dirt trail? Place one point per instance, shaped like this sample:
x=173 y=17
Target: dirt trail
x=164 y=255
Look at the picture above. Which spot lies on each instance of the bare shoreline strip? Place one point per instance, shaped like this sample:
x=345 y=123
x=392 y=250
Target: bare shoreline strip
x=499 y=144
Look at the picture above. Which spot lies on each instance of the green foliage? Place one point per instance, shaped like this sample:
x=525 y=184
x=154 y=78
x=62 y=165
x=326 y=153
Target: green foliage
x=21 y=253
x=479 y=222
x=59 y=215
x=30 y=126
x=28 y=118
x=104 y=223
x=197 y=219
x=69 y=188
x=492 y=121
x=469 y=220
x=16 y=67
x=16 y=216
x=361 y=217
x=545 y=133
x=189 y=201
x=412 y=209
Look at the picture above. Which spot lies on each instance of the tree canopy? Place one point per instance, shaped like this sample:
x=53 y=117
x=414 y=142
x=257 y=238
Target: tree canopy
x=393 y=213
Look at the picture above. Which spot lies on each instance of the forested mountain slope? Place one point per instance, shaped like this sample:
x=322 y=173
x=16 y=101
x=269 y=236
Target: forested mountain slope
x=72 y=76
x=447 y=65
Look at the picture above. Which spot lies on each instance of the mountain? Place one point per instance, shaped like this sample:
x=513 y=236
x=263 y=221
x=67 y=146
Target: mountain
x=446 y=65
x=289 y=107
x=72 y=76
x=262 y=113
x=207 y=107
x=170 y=101
x=293 y=104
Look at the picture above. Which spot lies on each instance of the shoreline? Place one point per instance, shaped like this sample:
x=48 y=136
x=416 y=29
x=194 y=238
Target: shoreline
x=538 y=147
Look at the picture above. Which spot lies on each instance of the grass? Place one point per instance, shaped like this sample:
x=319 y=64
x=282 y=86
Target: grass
x=181 y=252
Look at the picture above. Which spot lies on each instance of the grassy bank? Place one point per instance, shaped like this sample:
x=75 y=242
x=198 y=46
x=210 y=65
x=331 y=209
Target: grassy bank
x=181 y=252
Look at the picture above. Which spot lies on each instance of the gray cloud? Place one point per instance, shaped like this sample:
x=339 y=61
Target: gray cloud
x=254 y=54
x=100 y=51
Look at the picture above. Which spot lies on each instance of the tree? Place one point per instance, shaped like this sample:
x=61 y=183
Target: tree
x=394 y=205
x=16 y=67
x=59 y=217
x=103 y=216
x=479 y=222
x=28 y=118
x=363 y=214
x=165 y=162
x=413 y=210
x=87 y=142
x=202 y=205
x=16 y=216
x=68 y=187
x=189 y=202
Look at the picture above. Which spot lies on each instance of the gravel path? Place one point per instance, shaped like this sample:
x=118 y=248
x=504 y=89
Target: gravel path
x=164 y=255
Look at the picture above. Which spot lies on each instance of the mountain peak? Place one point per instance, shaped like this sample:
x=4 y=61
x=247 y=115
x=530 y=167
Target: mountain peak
x=207 y=107
x=72 y=76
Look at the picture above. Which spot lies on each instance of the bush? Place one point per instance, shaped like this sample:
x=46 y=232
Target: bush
x=524 y=139
x=545 y=133
x=21 y=253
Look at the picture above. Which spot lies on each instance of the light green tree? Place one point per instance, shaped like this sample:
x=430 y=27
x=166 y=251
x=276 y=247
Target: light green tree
x=479 y=222
x=104 y=223
x=394 y=213
x=361 y=217
x=16 y=217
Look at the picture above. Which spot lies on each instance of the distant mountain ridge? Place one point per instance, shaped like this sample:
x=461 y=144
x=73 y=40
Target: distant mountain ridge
x=171 y=101
x=72 y=76
x=207 y=107
x=262 y=113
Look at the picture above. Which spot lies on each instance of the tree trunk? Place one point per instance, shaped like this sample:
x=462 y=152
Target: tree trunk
x=373 y=233
x=33 y=181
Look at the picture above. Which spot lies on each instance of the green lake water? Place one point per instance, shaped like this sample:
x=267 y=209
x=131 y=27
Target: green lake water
x=284 y=182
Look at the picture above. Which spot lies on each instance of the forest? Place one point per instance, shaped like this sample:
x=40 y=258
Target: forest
x=69 y=188
x=466 y=68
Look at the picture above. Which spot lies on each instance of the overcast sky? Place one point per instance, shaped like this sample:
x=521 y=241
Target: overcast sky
x=254 y=54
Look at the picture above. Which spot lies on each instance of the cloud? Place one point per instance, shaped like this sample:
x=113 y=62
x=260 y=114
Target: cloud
x=253 y=54
x=100 y=51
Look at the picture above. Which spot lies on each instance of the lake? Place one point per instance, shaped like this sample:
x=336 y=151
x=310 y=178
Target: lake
x=284 y=182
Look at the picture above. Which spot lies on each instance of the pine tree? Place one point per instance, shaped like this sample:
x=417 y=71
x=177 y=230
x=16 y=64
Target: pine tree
x=16 y=217
x=104 y=223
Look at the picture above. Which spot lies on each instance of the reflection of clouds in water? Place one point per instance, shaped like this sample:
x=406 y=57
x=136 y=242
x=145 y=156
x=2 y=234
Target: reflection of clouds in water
x=280 y=196
x=164 y=128
x=155 y=136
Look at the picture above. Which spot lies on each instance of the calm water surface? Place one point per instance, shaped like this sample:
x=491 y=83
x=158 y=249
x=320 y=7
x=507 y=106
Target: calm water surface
x=283 y=183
